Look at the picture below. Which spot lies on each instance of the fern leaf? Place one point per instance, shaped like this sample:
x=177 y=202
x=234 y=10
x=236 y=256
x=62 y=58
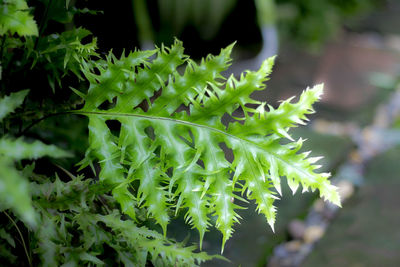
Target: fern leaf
x=9 y=103
x=171 y=147
x=15 y=18
x=281 y=119
x=63 y=54
x=18 y=149
x=14 y=189
x=162 y=251
x=14 y=192
x=196 y=77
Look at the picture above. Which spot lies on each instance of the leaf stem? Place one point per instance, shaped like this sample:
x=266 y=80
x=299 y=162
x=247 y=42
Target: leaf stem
x=22 y=238
x=41 y=119
x=81 y=112
x=43 y=22
x=100 y=198
x=3 y=42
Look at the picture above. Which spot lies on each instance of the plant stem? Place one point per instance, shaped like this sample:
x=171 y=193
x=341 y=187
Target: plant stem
x=43 y=22
x=22 y=238
x=39 y=120
x=100 y=198
x=143 y=22
x=3 y=42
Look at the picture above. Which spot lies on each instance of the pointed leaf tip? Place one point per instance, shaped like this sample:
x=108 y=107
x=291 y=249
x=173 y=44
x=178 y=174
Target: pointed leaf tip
x=230 y=47
x=318 y=89
x=79 y=93
x=272 y=225
x=268 y=64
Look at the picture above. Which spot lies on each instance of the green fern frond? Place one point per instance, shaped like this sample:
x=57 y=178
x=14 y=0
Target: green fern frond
x=145 y=242
x=171 y=129
x=68 y=207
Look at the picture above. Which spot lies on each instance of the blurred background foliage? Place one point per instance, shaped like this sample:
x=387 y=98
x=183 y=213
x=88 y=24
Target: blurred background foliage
x=207 y=25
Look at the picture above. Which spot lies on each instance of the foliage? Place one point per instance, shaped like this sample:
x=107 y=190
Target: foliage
x=312 y=22
x=206 y=15
x=160 y=127
x=176 y=155
x=306 y=22
x=77 y=206
x=14 y=18
x=61 y=54
x=14 y=189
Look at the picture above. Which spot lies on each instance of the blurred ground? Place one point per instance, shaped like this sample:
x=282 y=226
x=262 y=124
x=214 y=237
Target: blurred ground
x=366 y=232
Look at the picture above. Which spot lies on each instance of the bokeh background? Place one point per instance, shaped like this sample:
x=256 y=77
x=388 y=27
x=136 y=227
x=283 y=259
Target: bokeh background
x=353 y=47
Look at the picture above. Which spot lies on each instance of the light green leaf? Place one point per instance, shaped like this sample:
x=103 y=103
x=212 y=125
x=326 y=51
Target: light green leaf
x=15 y=18
x=19 y=149
x=160 y=250
x=9 y=103
x=14 y=192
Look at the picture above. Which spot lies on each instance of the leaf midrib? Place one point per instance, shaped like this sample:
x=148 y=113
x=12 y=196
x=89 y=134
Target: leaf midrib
x=112 y=114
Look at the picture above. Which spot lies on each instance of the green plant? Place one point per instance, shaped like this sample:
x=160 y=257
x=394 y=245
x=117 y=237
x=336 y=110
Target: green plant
x=157 y=145
x=311 y=23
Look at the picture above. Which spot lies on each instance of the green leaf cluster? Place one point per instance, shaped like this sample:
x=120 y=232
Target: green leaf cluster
x=80 y=224
x=311 y=23
x=170 y=137
x=54 y=54
x=14 y=187
x=62 y=54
